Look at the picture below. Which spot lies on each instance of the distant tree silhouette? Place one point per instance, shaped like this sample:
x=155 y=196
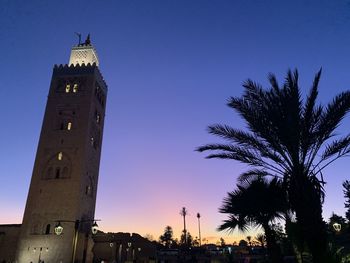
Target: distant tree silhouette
x=257 y=203
x=242 y=243
x=346 y=190
x=290 y=139
x=334 y=218
x=167 y=238
x=186 y=239
x=149 y=237
x=222 y=242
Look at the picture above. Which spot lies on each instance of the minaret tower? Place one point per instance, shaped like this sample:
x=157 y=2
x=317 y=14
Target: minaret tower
x=65 y=174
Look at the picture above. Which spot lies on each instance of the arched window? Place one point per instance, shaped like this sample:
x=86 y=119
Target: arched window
x=67 y=88
x=47 y=231
x=69 y=126
x=75 y=88
x=58 y=171
x=57 y=167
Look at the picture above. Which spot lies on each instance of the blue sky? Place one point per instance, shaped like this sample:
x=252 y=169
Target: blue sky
x=170 y=67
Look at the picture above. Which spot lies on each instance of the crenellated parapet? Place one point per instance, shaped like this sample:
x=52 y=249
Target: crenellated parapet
x=66 y=69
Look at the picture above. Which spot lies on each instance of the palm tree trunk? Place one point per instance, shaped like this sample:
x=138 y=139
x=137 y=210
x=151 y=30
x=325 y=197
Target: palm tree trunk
x=306 y=202
x=273 y=249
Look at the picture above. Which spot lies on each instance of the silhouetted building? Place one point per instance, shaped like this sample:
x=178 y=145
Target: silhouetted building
x=123 y=247
x=65 y=174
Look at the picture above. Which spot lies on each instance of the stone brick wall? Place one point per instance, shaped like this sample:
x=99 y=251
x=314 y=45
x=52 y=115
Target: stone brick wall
x=8 y=242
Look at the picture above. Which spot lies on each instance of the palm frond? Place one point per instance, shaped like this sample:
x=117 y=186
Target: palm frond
x=247 y=177
x=310 y=117
x=249 y=141
x=232 y=223
x=337 y=147
x=236 y=136
x=274 y=83
x=262 y=121
x=254 y=204
x=332 y=116
x=218 y=147
x=239 y=154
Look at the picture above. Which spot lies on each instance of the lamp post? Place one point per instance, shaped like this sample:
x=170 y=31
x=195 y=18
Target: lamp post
x=138 y=255
x=59 y=231
x=116 y=246
x=130 y=252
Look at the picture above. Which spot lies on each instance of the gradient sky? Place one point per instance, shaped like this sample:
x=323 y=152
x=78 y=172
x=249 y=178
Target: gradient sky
x=170 y=66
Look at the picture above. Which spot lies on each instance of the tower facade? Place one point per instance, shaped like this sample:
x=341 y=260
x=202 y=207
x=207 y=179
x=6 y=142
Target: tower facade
x=65 y=175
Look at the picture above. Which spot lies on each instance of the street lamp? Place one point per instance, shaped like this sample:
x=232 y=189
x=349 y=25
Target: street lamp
x=59 y=227
x=59 y=231
x=337 y=227
x=94 y=228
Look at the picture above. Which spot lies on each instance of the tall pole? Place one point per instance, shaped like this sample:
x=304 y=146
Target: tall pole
x=75 y=239
x=199 y=229
x=184 y=212
x=39 y=260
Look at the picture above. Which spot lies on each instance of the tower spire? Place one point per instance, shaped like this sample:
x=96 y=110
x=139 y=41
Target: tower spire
x=83 y=53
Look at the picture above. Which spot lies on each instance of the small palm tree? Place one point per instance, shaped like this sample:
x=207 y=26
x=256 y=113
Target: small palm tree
x=290 y=139
x=257 y=203
x=249 y=239
x=261 y=239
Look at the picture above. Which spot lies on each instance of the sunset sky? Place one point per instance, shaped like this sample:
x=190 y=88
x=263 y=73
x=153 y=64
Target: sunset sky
x=170 y=66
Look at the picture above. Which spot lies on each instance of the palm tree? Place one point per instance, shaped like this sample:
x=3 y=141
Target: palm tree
x=261 y=239
x=184 y=213
x=290 y=139
x=249 y=239
x=199 y=228
x=257 y=203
